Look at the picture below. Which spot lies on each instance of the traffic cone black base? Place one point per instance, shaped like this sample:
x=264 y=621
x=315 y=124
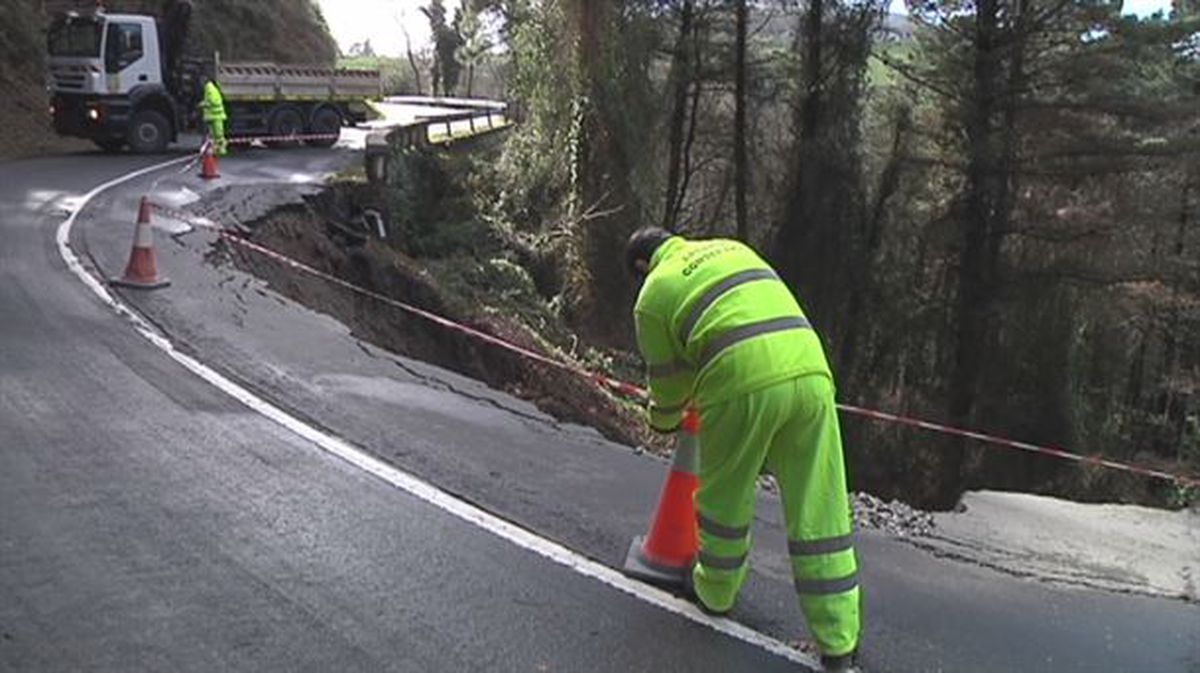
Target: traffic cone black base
x=642 y=568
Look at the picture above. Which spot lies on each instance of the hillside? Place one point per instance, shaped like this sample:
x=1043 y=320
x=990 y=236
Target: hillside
x=284 y=30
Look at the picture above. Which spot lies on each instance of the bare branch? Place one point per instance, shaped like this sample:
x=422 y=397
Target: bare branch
x=906 y=73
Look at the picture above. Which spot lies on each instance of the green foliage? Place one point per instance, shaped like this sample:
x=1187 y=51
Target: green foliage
x=430 y=209
x=533 y=176
x=280 y=30
x=397 y=74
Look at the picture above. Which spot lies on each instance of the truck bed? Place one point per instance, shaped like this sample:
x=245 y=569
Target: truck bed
x=266 y=81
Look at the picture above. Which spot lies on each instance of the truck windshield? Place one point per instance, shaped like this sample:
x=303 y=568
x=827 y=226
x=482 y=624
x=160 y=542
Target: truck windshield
x=76 y=37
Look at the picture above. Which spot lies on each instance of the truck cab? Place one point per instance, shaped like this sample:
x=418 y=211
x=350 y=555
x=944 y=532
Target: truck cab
x=105 y=75
x=124 y=80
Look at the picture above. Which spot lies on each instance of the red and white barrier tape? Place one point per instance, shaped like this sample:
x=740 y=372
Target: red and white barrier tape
x=1014 y=444
x=299 y=137
x=626 y=389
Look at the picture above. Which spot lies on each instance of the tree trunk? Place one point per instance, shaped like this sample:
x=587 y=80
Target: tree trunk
x=889 y=182
x=794 y=232
x=740 y=167
x=605 y=208
x=681 y=76
x=412 y=62
x=991 y=139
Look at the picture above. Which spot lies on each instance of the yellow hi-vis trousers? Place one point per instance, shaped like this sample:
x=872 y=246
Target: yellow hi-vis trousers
x=216 y=129
x=792 y=428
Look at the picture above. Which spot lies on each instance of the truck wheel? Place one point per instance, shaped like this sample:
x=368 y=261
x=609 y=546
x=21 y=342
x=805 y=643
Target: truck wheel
x=109 y=145
x=325 y=121
x=287 y=121
x=148 y=131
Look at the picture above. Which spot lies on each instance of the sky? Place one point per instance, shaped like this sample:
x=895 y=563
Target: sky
x=1139 y=7
x=381 y=21
x=384 y=21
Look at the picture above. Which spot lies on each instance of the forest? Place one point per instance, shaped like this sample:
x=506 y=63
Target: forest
x=987 y=208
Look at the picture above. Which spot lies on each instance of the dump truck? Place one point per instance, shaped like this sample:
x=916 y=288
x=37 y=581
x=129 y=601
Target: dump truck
x=123 y=80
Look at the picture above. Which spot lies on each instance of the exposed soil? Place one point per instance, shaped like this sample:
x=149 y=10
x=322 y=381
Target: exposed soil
x=322 y=233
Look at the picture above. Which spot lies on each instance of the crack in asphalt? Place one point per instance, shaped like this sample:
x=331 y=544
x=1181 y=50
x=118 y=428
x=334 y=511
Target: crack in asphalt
x=438 y=384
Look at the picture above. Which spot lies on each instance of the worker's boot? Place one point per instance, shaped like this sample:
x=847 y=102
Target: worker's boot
x=689 y=589
x=842 y=664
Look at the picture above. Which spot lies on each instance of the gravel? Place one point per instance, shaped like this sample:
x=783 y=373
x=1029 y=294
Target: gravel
x=893 y=517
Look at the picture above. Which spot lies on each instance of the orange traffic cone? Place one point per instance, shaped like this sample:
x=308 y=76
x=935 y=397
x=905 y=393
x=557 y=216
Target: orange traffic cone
x=142 y=271
x=208 y=167
x=665 y=556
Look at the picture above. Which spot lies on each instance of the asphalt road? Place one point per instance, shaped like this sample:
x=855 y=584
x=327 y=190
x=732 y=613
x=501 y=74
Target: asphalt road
x=149 y=522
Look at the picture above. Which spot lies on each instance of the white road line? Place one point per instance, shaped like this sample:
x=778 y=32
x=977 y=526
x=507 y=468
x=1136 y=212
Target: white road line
x=406 y=482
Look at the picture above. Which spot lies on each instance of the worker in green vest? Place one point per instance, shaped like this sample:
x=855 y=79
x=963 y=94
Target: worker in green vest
x=213 y=109
x=719 y=331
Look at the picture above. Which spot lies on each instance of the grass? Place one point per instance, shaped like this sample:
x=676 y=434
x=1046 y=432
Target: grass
x=880 y=74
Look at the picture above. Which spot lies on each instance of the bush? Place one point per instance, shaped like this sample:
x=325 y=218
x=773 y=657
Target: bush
x=429 y=207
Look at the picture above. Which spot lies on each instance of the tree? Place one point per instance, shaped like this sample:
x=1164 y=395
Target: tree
x=412 y=62
x=818 y=235
x=446 y=69
x=1048 y=118
x=741 y=167
x=361 y=49
x=474 y=43
x=680 y=80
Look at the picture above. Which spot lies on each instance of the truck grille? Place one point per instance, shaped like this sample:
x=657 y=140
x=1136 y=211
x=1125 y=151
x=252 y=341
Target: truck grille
x=69 y=81
x=70 y=77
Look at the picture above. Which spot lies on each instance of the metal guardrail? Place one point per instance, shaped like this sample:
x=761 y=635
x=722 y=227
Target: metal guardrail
x=453 y=103
x=419 y=134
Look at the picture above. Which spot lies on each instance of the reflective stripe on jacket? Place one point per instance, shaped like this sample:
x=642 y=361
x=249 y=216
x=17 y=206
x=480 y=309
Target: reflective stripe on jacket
x=714 y=321
x=213 y=106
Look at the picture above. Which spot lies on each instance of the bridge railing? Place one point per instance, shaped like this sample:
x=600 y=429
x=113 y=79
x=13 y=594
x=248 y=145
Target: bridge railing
x=432 y=130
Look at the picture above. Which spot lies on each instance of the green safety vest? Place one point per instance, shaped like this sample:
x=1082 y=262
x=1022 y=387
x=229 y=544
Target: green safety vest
x=214 y=103
x=714 y=321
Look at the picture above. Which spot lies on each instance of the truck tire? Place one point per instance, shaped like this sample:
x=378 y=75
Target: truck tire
x=149 y=132
x=285 y=121
x=325 y=121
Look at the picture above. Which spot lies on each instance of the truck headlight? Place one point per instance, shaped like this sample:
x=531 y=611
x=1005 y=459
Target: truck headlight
x=93 y=114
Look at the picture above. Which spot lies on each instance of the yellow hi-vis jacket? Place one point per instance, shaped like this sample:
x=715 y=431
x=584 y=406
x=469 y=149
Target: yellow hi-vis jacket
x=213 y=106
x=714 y=322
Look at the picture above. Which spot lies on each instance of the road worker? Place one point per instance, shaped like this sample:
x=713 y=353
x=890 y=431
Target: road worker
x=213 y=109
x=720 y=331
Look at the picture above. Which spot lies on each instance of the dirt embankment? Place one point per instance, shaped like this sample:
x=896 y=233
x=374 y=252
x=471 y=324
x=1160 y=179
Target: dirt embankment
x=25 y=120
x=326 y=233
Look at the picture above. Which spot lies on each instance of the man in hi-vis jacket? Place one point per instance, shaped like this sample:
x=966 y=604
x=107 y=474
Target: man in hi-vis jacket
x=213 y=110
x=721 y=332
